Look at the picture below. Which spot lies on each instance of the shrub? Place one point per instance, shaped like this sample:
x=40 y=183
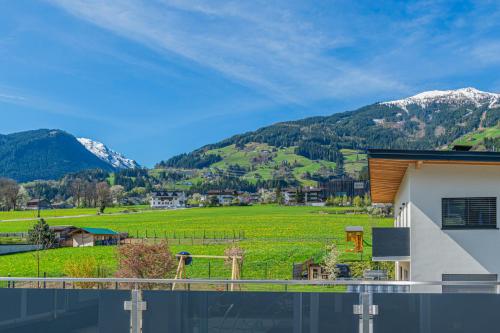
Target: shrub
x=150 y=261
x=86 y=268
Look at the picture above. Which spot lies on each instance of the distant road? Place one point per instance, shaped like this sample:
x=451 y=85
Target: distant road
x=73 y=216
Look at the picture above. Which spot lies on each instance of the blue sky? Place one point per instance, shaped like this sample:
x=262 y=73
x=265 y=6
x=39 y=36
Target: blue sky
x=156 y=78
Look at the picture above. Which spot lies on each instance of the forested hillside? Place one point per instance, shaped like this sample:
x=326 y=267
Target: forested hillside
x=430 y=120
x=44 y=154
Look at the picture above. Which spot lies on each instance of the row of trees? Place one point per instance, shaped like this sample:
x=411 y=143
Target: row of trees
x=357 y=201
x=84 y=193
x=94 y=194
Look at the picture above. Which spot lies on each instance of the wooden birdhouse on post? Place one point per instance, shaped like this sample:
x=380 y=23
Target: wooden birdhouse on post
x=354 y=234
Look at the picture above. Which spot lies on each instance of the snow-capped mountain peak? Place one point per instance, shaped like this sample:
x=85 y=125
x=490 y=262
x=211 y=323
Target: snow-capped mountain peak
x=459 y=97
x=110 y=156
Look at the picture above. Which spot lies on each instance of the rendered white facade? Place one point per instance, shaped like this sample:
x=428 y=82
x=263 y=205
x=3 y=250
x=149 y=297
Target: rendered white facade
x=168 y=199
x=435 y=251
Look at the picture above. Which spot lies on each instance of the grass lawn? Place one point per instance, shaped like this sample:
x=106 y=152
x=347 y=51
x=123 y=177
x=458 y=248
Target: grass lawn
x=275 y=238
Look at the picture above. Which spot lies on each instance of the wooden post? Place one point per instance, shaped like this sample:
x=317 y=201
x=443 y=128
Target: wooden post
x=235 y=274
x=180 y=270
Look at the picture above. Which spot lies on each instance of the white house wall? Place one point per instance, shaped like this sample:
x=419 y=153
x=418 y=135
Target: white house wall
x=435 y=251
x=402 y=206
x=83 y=240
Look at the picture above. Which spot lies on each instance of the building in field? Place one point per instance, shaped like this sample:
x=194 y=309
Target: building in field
x=445 y=213
x=168 y=199
x=83 y=237
x=303 y=196
x=63 y=234
x=36 y=204
x=223 y=197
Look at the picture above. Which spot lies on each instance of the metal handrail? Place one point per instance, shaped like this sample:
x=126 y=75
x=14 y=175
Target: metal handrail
x=256 y=282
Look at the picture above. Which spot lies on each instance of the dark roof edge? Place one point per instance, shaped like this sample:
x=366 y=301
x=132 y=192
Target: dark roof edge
x=435 y=155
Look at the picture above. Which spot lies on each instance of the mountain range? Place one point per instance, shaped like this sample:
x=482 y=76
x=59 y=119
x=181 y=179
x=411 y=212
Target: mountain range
x=429 y=120
x=297 y=151
x=51 y=153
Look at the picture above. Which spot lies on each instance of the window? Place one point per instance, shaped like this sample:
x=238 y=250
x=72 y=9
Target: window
x=469 y=213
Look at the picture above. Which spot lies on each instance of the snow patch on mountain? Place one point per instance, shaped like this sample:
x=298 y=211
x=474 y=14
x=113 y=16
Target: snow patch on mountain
x=458 y=97
x=108 y=155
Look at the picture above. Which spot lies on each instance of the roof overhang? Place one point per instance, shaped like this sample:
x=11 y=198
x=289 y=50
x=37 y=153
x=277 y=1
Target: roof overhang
x=388 y=167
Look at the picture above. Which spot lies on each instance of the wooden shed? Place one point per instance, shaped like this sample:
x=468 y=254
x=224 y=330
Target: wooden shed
x=94 y=236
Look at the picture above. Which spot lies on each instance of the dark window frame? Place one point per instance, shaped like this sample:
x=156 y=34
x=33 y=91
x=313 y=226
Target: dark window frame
x=470 y=207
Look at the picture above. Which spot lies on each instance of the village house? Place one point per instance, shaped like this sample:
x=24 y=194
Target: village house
x=36 y=204
x=445 y=210
x=224 y=197
x=63 y=234
x=168 y=199
x=306 y=196
x=83 y=237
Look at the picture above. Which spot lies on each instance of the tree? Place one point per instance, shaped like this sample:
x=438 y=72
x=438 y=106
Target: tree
x=90 y=194
x=117 y=193
x=345 y=201
x=41 y=236
x=367 y=201
x=76 y=188
x=149 y=261
x=213 y=201
x=330 y=261
x=195 y=200
x=330 y=201
x=22 y=197
x=103 y=195
x=357 y=201
x=279 y=195
x=9 y=191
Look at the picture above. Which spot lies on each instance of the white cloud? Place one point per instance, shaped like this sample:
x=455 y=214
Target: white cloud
x=11 y=98
x=45 y=105
x=271 y=48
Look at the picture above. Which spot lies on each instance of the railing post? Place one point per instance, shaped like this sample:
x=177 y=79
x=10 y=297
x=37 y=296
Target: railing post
x=366 y=310
x=136 y=305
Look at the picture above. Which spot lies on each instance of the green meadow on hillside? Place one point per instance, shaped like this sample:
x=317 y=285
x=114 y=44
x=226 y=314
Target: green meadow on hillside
x=274 y=238
x=476 y=138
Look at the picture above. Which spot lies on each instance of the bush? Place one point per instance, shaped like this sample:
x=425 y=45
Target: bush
x=86 y=268
x=149 y=261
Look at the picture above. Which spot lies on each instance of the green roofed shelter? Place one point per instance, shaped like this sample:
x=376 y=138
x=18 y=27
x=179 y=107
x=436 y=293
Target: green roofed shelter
x=82 y=237
x=100 y=231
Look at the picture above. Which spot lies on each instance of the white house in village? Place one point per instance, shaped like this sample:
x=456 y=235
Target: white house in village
x=310 y=196
x=168 y=199
x=446 y=213
x=224 y=197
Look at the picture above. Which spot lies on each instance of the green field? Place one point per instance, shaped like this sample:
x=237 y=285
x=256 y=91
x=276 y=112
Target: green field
x=476 y=138
x=270 y=159
x=275 y=238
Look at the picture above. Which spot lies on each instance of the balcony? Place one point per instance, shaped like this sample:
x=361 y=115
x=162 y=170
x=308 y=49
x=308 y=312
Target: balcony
x=391 y=244
x=63 y=305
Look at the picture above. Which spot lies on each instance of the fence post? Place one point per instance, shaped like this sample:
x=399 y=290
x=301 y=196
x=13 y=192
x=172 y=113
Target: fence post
x=366 y=310
x=136 y=305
